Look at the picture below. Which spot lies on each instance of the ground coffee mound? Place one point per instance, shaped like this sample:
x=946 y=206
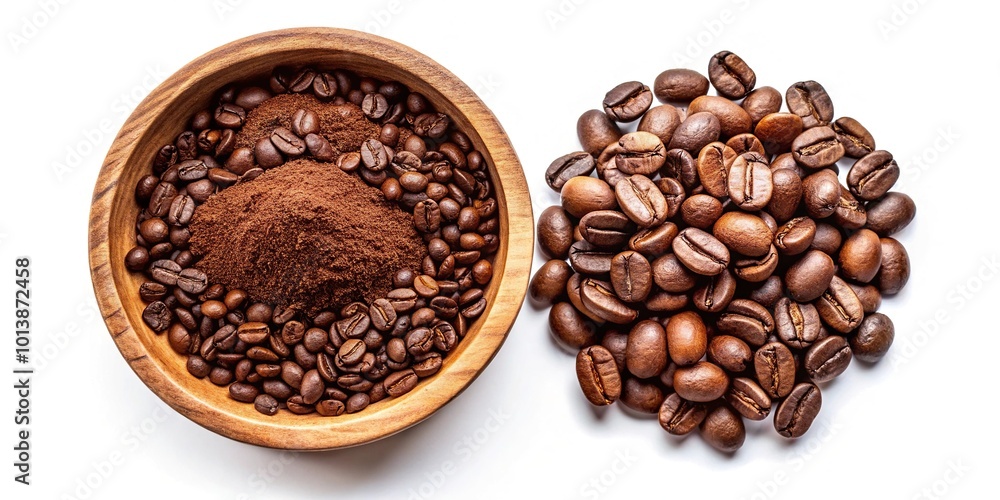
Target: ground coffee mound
x=305 y=233
x=344 y=125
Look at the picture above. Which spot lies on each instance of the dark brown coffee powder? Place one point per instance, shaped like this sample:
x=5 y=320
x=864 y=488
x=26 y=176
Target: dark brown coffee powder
x=305 y=234
x=344 y=125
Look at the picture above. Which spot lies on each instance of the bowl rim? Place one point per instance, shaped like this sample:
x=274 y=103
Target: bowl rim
x=319 y=433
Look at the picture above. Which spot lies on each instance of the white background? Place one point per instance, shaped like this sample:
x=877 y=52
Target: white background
x=922 y=76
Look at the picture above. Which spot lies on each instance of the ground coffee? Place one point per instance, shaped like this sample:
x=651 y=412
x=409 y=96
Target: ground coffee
x=307 y=235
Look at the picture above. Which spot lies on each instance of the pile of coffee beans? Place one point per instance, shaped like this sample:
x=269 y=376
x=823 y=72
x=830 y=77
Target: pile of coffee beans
x=718 y=268
x=342 y=356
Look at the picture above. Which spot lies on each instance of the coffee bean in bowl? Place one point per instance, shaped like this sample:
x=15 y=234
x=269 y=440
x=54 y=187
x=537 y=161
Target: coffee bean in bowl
x=719 y=267
x=310 y=239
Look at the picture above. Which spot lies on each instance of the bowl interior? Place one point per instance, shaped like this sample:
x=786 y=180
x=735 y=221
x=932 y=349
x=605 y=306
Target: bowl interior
x=165 y=114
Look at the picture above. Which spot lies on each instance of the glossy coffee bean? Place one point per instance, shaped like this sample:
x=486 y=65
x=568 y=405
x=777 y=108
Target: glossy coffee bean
x=696 y=132
x=873 y=175
x=730 y=75
x=827 y=359
x=701 y=382
x=715 y=292
x=810 y=276
x=873 y=338
x=640 y=153
x=596 y=131
x=582 y=195
x=654 y=241
x=701 y=211
x=895 y=269
x=795 y=236
x=890 y=214
x=680 y=85
x=839 y=307
x=568 y=166
x=549 y=283
x=761 y=102
x=641 y=200
x=686 y=338
x=598 y=375
x=679 y=417
x=627 y=101
x=723 y=429
x=599 y=297
x=642 y=396
x=746 y=320
x=797 y=325
x=660 y=121
x=672 y=276
x=748 y=398
x=817 y=147
x=606 y=228
x=631 y=276
x=743 y=233
x=701 y=252
x=774 y=366
x=860 y=256
x=555 y=232
x=733 y=120
x=810 y=101
x=588 y=259
x=713 y=165
x=731 y=353
x=777 y=131
x=796 y=413
x=857 y=140
x=570 y=328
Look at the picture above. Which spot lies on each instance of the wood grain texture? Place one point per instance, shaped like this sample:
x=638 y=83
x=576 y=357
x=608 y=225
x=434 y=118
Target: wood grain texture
x=164 y=114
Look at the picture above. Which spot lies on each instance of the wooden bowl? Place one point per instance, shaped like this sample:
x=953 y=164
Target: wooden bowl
x=165 y=113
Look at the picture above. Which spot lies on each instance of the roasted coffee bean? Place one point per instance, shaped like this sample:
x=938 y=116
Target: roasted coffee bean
x=640 y=153
x=357 y=402
x=890 y=214
x=686 y=338
x=568 y=166
x=680 y=85
x=627 y=101
x=839 y=307
x=695 y=132
x=631 y=276
x=809 y=277
x=137 y=259
x=382 y=314
x=873 y=175
x=761 y=102
x=680 y=165
x=679 y=417
x=646 y=350
x=401 y=382
x=749 y=183
x=810 y=101
x=775 y=369
x=701 y=382
x=599 y=298
x=555 y=232
x=598 y=375
x=653 y=241
x=744 y=233
x=795 y=236
x=192 y=281
x=860 y=256
x=154 y=230
x=641 y=396
x=180 y=212
x=714 y=163
x=748 y=399
x=856 y=139
x=796 y=413
x=895 y=269
x=817 y=147
x=582 y=195
x=701 y=211
x=672 y=276
x=427 y=216
x=165 y=271
x=757 y=269
x=353 y=327
x=768 y=291
x=230 y=116
x=596 y=131
x=746 y=320
x=157 y=315
x=733 y=120
x=870 y=297
x=641 y=201
x=716 y=292
x=827 y=358
x=797 y=325
x=660 y=121
x=827 y=239
x=731 y=353
x=606 y=228
x=588 y=259
x=327 y=407
x=730 y=75
x=181 y=340
x=287 y=142
x=549 y=283
x=746 y=143
x=777 y=131
x=723 y=429
x=873 y=338
x=267 y=154
x=849 y=212
x=701 y=252
x=667 y=302
x=242 y=392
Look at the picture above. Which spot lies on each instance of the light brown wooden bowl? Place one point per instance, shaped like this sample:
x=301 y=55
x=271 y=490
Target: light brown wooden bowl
x=165 y=113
